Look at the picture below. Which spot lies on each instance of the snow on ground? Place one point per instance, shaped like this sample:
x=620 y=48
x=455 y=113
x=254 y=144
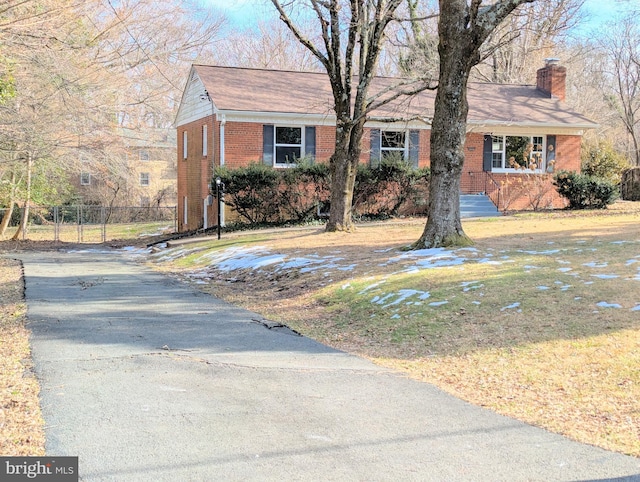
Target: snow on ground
x=257 y=258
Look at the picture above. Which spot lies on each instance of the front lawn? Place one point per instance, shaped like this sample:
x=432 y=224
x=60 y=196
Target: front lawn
x=540 y=320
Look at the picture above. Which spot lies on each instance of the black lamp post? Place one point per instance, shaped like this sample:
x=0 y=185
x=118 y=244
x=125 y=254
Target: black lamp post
x=219 y=191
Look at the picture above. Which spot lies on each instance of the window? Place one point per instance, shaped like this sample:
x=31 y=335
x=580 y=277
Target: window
x=144 y=178
x=288 y=145
x=184 y=145
x=204 y=140
x=85 y=179
x=393 y=143
x=143 y=155
x=185 y=210
x=517 y=152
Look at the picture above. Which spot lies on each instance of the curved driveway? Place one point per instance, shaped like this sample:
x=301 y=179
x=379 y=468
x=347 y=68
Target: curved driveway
x=146 y=379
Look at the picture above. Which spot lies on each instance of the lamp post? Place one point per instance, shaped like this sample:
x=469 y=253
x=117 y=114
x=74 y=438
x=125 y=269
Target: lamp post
x=218 y=191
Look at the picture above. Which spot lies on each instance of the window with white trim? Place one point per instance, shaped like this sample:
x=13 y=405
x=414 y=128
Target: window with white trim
x=144 y=178
x=85 y=179
x=518 y=153
x=143 y=155
x=393 y=143
x=184 y=145
x=205 y=143
x=288 y=145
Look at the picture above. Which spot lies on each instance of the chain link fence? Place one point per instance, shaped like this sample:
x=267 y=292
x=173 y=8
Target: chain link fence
x=91 y=224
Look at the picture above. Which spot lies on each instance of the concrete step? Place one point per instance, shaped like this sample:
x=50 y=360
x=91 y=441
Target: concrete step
x=477 y=205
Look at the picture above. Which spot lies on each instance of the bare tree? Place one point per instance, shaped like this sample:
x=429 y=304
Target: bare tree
x=516 y=48
x=621 y=44
x=463 y=28
x=78 y=71
x=271 y=46
x=350 y=40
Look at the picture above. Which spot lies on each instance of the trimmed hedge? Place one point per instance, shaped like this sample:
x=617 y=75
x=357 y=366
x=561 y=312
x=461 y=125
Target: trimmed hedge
x=262 y=195
x=584 y=191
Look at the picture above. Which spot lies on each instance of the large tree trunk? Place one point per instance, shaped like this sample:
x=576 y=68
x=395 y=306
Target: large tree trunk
x=343 y=178
x=448 y=136
x=462 y=28
x=344 y=167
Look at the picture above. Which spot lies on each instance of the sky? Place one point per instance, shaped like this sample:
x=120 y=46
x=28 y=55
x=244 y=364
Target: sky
x=246 y=13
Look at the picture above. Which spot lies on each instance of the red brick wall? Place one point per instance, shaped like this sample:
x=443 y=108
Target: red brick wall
x=325 y=142
x=568 y=153
x=243 y=145
x=194 y=175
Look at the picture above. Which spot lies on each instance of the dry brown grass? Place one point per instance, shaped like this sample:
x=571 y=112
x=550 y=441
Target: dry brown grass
x=561 y=363
x=21 y=425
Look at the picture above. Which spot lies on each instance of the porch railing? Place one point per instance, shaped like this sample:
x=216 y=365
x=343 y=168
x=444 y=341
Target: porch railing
x=482 y=183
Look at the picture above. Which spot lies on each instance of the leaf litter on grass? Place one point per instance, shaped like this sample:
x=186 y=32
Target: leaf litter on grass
x=525 y=322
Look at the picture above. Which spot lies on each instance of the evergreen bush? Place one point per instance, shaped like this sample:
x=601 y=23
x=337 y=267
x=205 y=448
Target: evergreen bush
x=584 y=191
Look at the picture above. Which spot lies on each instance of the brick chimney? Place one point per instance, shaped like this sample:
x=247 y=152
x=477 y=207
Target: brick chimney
x=551 y=79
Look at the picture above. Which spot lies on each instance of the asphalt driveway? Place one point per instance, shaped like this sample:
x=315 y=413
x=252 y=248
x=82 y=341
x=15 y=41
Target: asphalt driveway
x=146 y=379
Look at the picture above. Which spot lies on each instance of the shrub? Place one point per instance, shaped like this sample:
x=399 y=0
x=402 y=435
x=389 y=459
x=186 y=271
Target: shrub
x=602 y=160
x=303 y=188
x=381 y=191
x=585 y=192
x=262 y=195
x=246 y=190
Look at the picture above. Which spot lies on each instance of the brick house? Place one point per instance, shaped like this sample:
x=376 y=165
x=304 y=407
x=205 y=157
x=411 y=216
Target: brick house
x=231 y=117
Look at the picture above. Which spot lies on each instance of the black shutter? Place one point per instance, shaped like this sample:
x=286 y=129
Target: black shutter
x=267 y=144
x=414 y=148
x=551 y=153
x=310 y=142
x=487 y=153
x=374 y=159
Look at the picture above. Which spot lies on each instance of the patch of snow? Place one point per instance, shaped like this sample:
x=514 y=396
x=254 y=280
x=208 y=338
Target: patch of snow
x=593 y=264
x=346 y=286
x=605 y=276
x=636 y=308
x=510 y=307
x=476 y=302
x=543 y=288
x=604 y=304
x=403 y=295
x=395 y=317
x=548 y=251
x=438 y=303
x=371 y=286
x=565 y=270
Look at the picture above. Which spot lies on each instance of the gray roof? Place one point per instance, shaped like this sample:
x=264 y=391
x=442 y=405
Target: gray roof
x=266 y=91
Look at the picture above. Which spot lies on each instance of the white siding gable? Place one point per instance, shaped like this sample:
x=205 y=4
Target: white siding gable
x=194 y=104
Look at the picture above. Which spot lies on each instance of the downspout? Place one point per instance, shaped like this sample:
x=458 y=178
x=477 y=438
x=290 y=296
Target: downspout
x=223 y=121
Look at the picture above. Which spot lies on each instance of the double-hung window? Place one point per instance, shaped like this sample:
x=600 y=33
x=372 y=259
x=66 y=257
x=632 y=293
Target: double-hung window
x=144 y=178
x=393 y=144
x=288 y=145
x=85 y=178
x=518 y=153
x=285 y=146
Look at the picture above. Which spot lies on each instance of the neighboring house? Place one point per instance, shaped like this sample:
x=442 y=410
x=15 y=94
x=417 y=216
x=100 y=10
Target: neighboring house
x=141 y=170
x=235 y=116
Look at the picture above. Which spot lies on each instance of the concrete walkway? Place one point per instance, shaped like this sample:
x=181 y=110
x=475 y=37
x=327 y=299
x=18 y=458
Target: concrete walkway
x=146 y=379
